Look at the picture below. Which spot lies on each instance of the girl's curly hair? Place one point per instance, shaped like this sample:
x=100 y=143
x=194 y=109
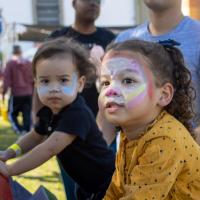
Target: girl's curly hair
x=167 y=65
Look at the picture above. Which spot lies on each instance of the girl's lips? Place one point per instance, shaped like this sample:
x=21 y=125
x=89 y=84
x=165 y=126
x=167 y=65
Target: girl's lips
x=54 y=99
x=112 y=103
x=112 y=107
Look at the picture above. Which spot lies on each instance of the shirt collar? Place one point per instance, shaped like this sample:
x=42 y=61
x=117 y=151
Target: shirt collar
x=148 y=127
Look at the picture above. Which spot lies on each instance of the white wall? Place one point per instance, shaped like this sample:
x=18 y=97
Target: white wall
x=17 y=11
x=113 y=13
x=14 y=11
x=68 y=12
x=117 y=13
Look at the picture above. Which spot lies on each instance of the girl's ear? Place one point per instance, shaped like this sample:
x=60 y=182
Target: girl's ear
x=81 y=83
x=166 y=95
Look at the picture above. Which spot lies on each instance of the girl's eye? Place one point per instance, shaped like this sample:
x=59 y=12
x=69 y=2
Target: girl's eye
x=128 y=81
x=64 y=80
x=44 y=81
x=105 y=83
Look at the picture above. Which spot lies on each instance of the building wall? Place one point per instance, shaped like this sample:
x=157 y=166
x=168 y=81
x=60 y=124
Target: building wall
x=14 y=12
x=141 y=11
x=189 y=8
x=194 y=9
x=113 y=13
x=17 y=11
x=22 y=11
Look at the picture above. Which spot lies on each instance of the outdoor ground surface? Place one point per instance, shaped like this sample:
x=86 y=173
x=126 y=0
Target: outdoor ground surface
x=46 y=175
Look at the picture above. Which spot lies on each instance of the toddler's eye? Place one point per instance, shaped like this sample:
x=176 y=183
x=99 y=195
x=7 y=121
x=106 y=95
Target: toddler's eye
x=105 y=83
x=44 y=81
x=128 y=81
x=64 y=80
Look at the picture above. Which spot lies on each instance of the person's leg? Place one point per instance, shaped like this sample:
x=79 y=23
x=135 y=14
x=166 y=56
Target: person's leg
x=13 y=112
x=26 y=112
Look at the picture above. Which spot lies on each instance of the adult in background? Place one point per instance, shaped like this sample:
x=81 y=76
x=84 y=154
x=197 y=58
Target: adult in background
x=19 y=79
x=166 y=21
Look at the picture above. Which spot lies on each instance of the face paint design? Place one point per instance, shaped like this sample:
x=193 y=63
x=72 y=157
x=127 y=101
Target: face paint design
x=128 y=82
x=69 y=90
x=135 y=97
x=65 y=90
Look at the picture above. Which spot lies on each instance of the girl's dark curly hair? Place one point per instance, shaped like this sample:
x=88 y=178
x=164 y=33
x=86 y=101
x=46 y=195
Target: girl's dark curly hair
x=167 y=65
x=64 y=48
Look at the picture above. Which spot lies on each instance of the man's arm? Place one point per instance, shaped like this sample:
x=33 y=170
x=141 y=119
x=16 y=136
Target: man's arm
x=108 y=130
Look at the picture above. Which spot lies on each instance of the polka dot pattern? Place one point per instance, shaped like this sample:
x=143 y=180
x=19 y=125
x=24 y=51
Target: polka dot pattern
x=164 y=163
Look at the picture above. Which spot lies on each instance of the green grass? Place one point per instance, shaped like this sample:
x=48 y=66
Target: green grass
x=47 y=175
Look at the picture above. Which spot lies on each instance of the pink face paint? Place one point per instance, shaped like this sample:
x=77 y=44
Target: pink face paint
x=115 y=69
x=135 y=97
x=112 y=92
x=150 y=83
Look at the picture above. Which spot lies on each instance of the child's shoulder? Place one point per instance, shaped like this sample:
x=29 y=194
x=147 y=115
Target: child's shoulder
x=78 y=106
x=77 y=111
x=167 y=134
x=167 y=127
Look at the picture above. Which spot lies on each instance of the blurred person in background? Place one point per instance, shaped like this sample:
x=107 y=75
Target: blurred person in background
x=166 y=21
x=18 y=79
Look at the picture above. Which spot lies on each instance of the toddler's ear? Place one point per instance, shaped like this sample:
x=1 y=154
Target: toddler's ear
x=167 y=92
x=81 y=82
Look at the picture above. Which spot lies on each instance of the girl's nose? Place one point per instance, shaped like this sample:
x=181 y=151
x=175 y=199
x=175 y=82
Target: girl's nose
x=54 y=88
x=112 y=92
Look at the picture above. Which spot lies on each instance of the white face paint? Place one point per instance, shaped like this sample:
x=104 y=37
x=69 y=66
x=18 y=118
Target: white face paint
x=123 y=82
x=128 y=94
x=57 y=82
x=54 y=88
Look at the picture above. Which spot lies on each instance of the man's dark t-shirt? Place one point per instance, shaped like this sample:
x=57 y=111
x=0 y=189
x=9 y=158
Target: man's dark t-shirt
x=100 y=37
x=88 y=159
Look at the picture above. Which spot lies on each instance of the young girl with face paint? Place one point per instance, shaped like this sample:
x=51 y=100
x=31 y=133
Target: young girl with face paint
x=61 y=67
x=145 y=90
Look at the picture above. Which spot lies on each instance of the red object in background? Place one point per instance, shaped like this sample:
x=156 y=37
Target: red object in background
x=5 y=190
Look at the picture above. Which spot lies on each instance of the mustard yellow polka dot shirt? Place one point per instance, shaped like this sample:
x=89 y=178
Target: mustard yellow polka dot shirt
x=163 y=164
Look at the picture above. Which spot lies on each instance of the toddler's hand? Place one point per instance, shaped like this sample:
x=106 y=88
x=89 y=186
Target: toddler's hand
x=3 y=156
x=96 y=54
x=4 y=169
